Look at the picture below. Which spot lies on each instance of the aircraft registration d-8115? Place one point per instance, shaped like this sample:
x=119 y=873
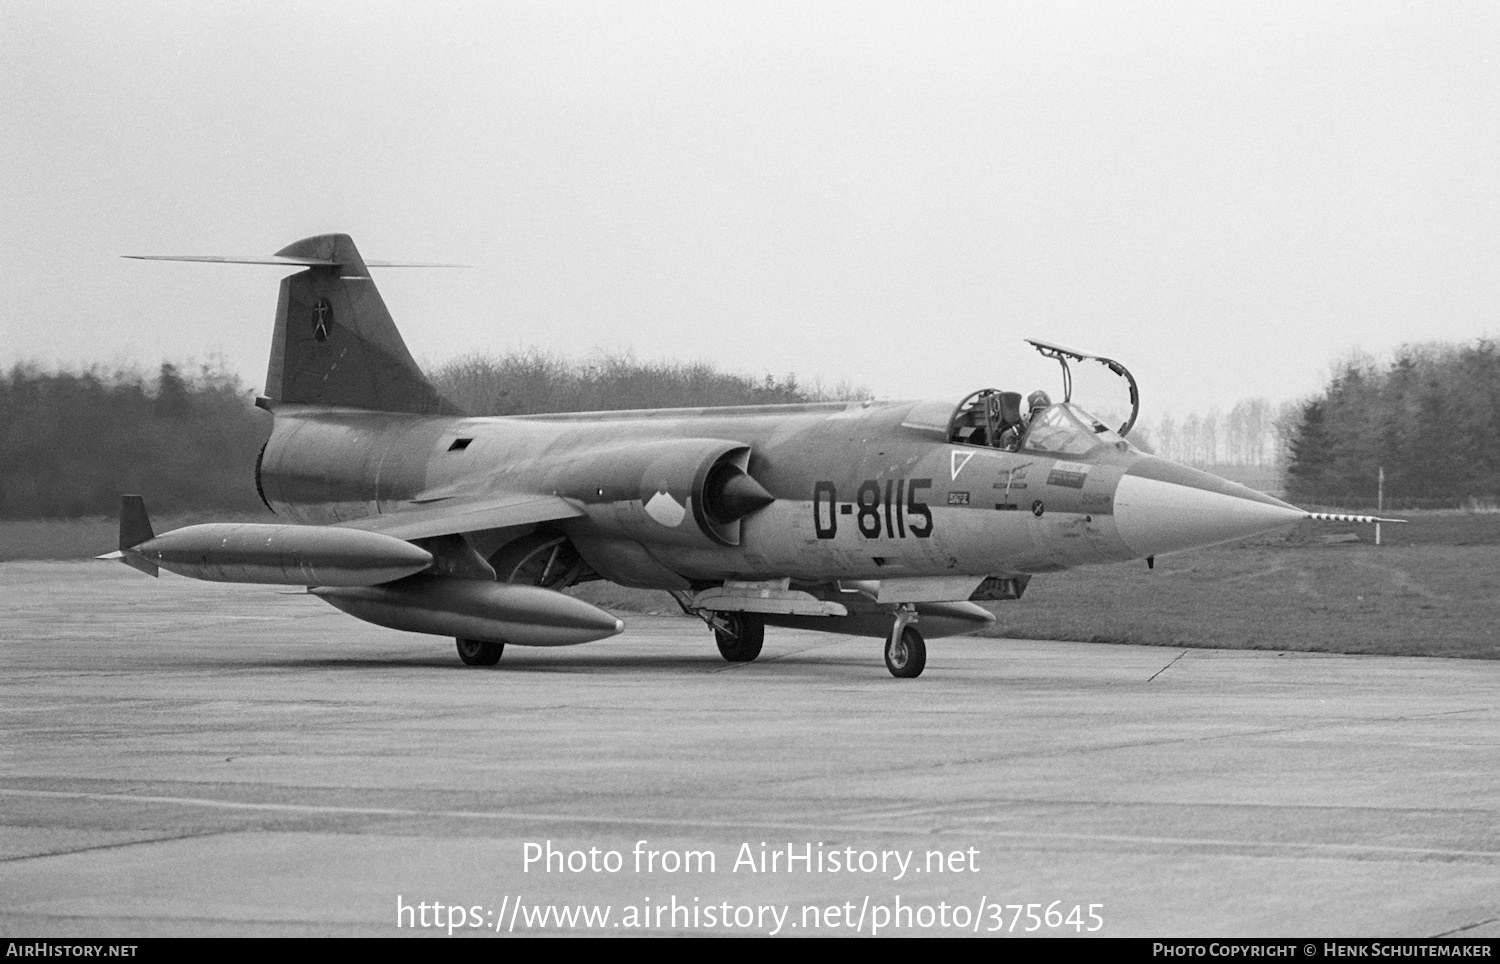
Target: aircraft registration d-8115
x=886 y=519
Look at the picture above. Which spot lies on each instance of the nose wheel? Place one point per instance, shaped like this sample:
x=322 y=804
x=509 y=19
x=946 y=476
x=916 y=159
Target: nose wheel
x=905 y=649
x=906 y=655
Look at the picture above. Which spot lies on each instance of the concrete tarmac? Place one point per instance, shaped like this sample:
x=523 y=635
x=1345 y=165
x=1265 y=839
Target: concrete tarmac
x=181 y=758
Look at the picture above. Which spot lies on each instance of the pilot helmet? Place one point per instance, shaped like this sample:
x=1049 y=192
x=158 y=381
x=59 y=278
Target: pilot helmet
x=1038 y=400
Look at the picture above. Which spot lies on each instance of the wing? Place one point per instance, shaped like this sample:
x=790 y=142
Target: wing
x=451 y=516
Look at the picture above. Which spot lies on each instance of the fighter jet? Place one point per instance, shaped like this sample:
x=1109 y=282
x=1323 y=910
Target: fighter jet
x=886 y=519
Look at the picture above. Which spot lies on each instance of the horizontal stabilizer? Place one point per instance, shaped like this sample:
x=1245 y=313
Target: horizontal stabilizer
x=287 y=262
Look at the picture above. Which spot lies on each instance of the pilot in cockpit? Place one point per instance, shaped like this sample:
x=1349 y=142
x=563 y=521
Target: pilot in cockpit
x=1017 y=423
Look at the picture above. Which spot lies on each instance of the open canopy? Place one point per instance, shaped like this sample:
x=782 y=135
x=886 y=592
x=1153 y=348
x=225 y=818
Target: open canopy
x=1062 y=355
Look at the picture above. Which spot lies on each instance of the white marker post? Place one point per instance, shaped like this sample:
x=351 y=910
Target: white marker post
x=1379 y=500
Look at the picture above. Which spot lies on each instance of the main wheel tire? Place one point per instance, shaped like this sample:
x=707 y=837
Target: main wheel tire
x=479 y=652
x=906 y=657
x=741 y=642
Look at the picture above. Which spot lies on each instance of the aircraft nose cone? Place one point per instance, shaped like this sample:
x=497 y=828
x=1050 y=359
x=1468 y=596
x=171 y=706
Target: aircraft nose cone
x=1161 y=506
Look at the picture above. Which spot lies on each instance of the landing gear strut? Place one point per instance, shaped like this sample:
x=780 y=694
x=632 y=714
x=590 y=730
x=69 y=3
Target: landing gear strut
x=905 y=649
x=540 y=559
x=479 y=652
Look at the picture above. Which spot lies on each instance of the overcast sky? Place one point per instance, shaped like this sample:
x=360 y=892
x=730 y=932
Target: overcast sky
x=1227 y=197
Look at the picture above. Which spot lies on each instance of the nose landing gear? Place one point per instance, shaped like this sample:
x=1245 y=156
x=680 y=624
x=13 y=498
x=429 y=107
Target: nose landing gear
x=905 y=649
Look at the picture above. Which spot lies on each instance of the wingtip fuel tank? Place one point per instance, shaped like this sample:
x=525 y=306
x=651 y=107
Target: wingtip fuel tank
x=279 y=555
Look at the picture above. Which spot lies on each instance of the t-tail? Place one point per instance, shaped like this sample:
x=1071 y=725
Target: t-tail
x=335 y=343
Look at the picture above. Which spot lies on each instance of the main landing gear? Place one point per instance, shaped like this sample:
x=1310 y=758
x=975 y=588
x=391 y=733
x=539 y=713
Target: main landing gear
x=479 y=652
x=540 y=559
x=739 y=635
x=905 y=649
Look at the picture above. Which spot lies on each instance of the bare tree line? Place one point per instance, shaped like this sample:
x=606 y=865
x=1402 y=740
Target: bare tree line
x=1248 y=434
x=71 y=442
x=534 y=382
x=186 y=436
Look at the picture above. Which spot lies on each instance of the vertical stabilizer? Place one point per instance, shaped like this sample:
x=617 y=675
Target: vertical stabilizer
x=335 y=343
x=135 y=528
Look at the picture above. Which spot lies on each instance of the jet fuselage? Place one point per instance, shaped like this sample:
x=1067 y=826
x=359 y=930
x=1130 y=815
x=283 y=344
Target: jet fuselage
x=861 y=490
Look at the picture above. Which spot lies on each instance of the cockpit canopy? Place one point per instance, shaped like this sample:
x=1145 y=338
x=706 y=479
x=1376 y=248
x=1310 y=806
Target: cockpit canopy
x=996 y=419
x=993 y=419
x=1066 y=429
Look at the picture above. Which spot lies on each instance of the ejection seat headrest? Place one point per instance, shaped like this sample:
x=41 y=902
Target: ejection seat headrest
x=1010 y=408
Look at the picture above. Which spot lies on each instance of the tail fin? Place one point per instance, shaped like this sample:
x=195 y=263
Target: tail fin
x=335 y=342
x=135 y=528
